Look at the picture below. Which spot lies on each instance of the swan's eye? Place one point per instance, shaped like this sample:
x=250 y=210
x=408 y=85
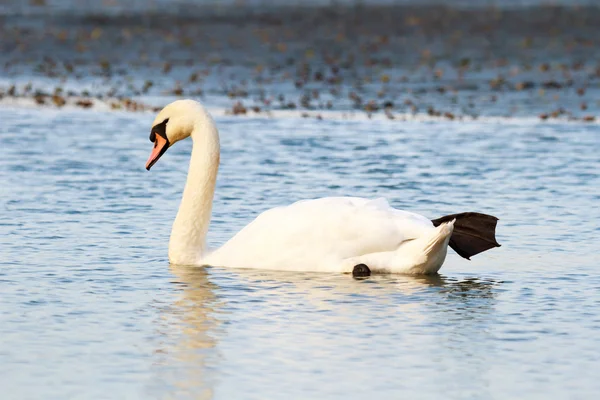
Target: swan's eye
x=160 y=129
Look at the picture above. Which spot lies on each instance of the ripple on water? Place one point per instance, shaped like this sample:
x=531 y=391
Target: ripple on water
x=90 y=305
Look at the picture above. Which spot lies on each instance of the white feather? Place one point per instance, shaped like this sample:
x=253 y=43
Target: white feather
x=328 y=234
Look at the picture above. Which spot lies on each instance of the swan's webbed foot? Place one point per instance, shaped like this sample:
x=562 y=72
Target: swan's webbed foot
x=361 y=270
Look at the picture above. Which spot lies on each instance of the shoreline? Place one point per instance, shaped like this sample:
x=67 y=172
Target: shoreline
x=104 y=105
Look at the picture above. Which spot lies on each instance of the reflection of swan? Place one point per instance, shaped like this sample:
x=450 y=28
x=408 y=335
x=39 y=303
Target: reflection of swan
x=192 y=329
x=431 y=313
x=334 y=234
x=327 y=289
x=197 y=305
x=287 y=324
x=325 y=328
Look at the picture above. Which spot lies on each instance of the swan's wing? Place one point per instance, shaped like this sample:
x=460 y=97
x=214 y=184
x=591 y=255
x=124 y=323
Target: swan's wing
x=314 y=231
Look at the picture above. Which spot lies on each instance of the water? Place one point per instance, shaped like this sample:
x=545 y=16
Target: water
x=91 y=308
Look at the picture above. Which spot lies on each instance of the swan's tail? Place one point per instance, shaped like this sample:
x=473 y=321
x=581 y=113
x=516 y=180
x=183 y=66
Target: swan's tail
x=473 y=233
x=432 y=249
x=439 y=238
x=422 y=255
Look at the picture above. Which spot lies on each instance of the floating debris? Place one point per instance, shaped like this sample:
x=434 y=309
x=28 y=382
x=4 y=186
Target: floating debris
x=178 y=91
x=238 y=108
x=40 y=99
x=525 y=85
x=58 y=100
x=84 y=103
x=371 y=106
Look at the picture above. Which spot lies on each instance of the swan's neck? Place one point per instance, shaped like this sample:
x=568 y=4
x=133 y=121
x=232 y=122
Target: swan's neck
x=188 y=236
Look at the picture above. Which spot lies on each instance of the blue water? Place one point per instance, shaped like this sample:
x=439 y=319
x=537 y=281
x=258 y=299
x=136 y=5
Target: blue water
x=90 y=308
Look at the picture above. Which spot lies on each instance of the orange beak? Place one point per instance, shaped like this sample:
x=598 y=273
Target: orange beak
x=160 y=146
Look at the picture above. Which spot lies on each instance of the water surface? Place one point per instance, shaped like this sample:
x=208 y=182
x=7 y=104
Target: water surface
x=90 y=307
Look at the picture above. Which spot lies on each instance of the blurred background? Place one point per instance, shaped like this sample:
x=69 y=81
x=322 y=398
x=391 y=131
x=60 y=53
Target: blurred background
x=447 y=59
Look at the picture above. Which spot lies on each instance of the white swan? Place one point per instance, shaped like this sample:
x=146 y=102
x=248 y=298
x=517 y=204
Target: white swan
x=335 y=234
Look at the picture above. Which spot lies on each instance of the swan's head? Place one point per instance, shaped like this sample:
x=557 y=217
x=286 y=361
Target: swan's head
x=173 y=123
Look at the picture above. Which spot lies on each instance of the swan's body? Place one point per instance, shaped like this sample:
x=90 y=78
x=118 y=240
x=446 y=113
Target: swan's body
x=335 y=234
x=329 y=234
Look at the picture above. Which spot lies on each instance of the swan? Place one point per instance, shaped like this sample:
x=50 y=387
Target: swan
x=332 y=234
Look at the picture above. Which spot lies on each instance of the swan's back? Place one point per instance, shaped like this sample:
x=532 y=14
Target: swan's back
x=316 y=234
